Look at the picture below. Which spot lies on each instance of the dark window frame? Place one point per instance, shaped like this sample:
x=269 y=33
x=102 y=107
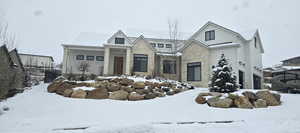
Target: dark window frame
x=160 y=45
x=99 y=58
x=79 y=57
x=255 y=42
x=210 y=35
x=119 y=40
x=153 y=45
x=167 y=66
x=140 y=63
x=191 y=70
x=168 y=45
x=90 y=58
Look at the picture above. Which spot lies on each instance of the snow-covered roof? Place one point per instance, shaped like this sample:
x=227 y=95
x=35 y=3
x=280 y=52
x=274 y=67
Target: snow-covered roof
x=222 y=45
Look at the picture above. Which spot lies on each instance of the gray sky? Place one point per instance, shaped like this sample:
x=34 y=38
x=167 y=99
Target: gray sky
x=42 y=26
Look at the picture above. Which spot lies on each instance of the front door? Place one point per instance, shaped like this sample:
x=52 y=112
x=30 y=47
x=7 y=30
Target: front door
x=241 y=79
x=256 y=82
x=118 y=65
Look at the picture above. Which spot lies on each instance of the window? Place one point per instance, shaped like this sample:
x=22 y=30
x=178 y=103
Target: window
x=79 y=57
x=194 y=71
x=90 y=58
x=160 y=45
x=209 y=35
x=169 y=66
x=168 y=45
x=153 y=45
x=140 y=63
x=119 y=40
x=99 y=58
x=255 y=42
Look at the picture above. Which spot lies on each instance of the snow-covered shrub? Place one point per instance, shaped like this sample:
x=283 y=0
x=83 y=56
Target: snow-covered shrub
x=223 y=79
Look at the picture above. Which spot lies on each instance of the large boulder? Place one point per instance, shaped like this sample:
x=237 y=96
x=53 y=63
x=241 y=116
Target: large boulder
x=53 y=87
x=200 y=99
x=79 y=94
x=277 y=96
x=126 y=81
x=250 y=95
x=119 y=95
x=133 y=96
x=113 y=87
x=243 y=102
x=260 y=103
x=68 y=92
x=219 y=103
x=204 y=94
x=128 y=89
x=142 y=91
x=268 y=97
x=150 y=96
x=65 y=85
x=170 y=93
x=139 y=85
x=99 y=93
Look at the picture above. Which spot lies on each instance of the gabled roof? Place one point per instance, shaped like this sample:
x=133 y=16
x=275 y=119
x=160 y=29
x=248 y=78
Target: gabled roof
x=15 y=51
x=121 y=33
x=260 y=42
x=141 y=37
x=297 y=57
x=246 y=36
x=189 y=42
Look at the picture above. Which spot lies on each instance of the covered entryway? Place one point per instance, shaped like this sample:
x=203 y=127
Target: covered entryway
x=118 y=65
x=241 y=79
x=256 y=82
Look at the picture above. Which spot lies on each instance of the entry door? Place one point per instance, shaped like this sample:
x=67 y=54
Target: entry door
x=241 y=79
x=256 y=82
x=118 y=65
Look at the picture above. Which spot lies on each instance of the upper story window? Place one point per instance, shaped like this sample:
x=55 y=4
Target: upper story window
x=210 y=35
x=168 y=45
x=79 y=57
x=153 y=45
x=99 y=58
x=119 y=40
x=160 y=45
x=90 y=58
x=255 y=42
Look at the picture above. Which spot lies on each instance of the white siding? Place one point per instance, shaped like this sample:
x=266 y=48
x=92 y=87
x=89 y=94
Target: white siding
x=39 y=61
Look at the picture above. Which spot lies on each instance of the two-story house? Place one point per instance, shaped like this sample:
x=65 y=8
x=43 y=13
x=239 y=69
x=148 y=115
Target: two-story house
x=189 y=60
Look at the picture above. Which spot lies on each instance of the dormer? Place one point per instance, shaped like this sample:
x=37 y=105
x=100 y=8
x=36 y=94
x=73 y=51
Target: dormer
x=119 y=38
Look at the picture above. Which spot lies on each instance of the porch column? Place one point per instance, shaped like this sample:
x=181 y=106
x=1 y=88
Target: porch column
x=106 y=60
x=128 y=60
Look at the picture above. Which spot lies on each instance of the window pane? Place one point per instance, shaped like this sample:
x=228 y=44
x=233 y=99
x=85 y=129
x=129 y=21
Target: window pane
x=140 y=63
x=153 y=45
x=99 y=58
x=90 y=58
x=160 y=45
x=212 y=35
x=168 y=45
x=194 y=71
x=79 y=57
x=169 y=66
x=119 y=40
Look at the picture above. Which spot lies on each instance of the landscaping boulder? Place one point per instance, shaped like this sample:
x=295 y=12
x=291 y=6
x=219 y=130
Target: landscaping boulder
x=277 y=96
x=200 y=99
x=79 y=94
x=233 y=96
x=260 y=103
x=243 y=102
x=139 y=85
x=219 y=103
x=68 y=92
x=160 y=94
x=250 y=95
x=53 y=87
x=150 y=96
x=204 y=94
x=102 y=79
x=119 y=95
x=133 y=96
x=128 y=89
x=216 y=94
x=170 y=93
x=126 y=81
x=113 y=87
x=268 y=97
x=99 y=93
x=60 y=79
x=65 y=85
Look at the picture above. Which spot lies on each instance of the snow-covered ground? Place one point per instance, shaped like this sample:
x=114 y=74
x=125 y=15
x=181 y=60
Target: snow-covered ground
x=37 y=111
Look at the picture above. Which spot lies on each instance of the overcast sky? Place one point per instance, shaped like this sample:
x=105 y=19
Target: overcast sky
x=42 y=26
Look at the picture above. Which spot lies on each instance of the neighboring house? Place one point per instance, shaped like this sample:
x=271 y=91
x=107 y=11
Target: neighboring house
x=188 y=60
x=295 y=61
x=11 y=71
x=41 y=62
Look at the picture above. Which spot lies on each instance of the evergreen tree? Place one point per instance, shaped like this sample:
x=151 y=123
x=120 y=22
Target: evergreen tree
x=223 y=79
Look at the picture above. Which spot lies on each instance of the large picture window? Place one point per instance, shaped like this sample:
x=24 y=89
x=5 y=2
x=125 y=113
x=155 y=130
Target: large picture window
x=209 y=35
x=140 y=63
x=169 y=66
x=79 y=57
x=194 y=71
x=119 y=40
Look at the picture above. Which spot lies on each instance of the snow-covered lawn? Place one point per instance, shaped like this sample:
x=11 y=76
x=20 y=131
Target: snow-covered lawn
x=37 y=111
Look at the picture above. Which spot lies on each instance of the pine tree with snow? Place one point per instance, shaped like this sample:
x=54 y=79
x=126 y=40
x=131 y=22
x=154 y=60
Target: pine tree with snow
x=223 y=79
